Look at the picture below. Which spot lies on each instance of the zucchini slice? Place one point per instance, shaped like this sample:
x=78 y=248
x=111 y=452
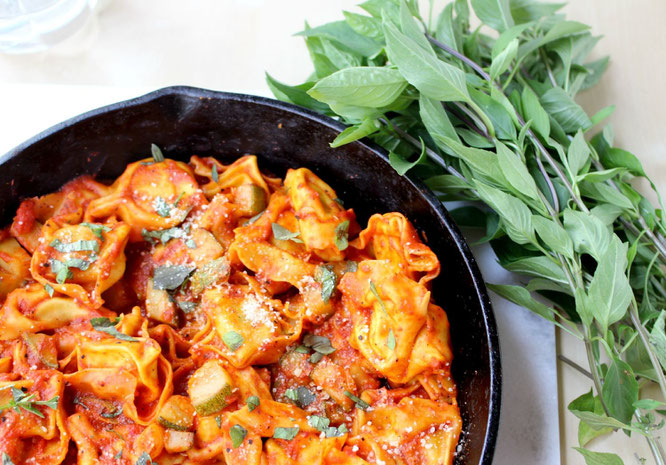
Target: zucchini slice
x=250 y=199
x=209 y=388
x=177 y=413
x=178 y=441
x=159 y=306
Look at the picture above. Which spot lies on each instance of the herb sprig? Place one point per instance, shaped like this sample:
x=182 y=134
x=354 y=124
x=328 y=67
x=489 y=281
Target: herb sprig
x=492 y=120
x=21 y=400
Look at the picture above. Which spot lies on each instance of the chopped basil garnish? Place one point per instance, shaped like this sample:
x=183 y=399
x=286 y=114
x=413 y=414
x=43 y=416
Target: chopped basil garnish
x=165 y=235
x=341 y=233
x=322 y=424
x=158 y=156
x=379 y=299
x=351 y=267
x=77 y=401
x=97 y=229
x=302 y=349
x=107 y=326
x=254 y=218
x=237 y=434
x=286 y=433
x=6 y=459
x=283 y=234
x=169 y=277
x=218 y=421
x=144 y=459
x=320 y=344
x=186 y=306
x=301 y=396
x=324 y=275
x=113 y=414
x=162 y=207
x=119 y=455
x=316 y=357
x=78 y=246
x=214 y=174
x=49 y=289
x=339 y=201
x=390 y=342
x=360 y=403
x=62 y=269
x=209 y=274
x=252 y=403
x=21 y=400
x=233 y=340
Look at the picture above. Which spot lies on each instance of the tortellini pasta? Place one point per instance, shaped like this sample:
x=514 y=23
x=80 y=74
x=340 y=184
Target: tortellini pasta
x=207 y=313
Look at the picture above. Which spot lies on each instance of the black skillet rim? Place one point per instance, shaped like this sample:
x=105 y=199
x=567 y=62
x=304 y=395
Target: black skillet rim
x=472 y=267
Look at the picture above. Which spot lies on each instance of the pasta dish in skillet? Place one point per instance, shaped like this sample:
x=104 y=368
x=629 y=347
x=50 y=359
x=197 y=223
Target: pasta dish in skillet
x=208 y=314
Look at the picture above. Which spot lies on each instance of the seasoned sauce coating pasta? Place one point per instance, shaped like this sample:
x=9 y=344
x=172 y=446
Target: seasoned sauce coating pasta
x=201 y=313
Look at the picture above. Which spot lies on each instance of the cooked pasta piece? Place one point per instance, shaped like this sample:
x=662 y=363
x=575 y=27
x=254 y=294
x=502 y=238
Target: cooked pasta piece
x=211 y=314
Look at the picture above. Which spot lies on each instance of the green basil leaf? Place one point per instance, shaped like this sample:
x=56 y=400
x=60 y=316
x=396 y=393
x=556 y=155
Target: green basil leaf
x=356 y=132
x=144 y=459
x=445 y=31
x=618 y=158
x=97 y=229
x=360 y=403
x=524 y=11
x=342 y=33
x=237 y=434
x=588 y=233
x=286 y=433
x=564 y=110
x=494 y=13
x=534 y=112
x=157 y=154
x=105 y=325
x=540 y=266
x=170 y=277
x=365 y=25
x=233 y=340
x=402 y=166
x=504 y=59
x=341 y=235
x=649 y=404
x=658 y=338
x=325 y=276
x=283 y=234
x=620 y=390
x=515 y=215
x=301 y=396
x=516 y=173
x=553 y=235
x=360 y=86
x=320 y=344
x=578 y=154
x=252 y=403
x=431 y=76
x=297 y=95
x=599 y=458
x=436 y=121
x=412 y=30
x=521 y=296
x=610 y=289
x=6 y=459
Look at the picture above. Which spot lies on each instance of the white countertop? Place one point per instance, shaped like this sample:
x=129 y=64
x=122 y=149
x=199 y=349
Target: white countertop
x=137 y=46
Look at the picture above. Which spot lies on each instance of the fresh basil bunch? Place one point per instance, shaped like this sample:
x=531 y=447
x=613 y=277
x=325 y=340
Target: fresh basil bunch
x=487 y=114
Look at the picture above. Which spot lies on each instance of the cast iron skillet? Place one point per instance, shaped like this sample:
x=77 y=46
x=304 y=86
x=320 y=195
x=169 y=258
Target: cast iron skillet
x=185 y=121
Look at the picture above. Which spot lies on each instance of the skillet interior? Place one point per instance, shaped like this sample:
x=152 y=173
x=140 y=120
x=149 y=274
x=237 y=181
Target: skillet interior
x=185 y=121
